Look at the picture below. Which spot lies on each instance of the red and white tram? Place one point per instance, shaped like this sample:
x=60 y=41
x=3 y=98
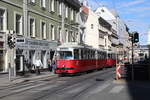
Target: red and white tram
x=111 y=59
x=74 y=58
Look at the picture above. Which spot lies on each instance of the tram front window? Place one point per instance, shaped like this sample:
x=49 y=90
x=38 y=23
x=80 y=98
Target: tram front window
x=65 y=55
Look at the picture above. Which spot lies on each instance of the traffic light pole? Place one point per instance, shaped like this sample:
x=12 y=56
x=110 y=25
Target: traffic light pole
x=132 y=61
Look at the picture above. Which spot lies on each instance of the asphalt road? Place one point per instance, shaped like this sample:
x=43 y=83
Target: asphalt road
x=60 y=88
x=98 y=85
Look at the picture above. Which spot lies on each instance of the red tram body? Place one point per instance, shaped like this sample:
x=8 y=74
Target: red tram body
x=74 y=58
x=111 y=59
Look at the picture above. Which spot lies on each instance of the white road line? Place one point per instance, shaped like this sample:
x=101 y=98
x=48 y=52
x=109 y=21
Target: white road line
x=78 y=89
x=26 y=88
x=45 y=88
x=99 y=88
x=116 y=89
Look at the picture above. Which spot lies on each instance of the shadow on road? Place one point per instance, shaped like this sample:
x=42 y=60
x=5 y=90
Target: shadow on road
x=138 y=83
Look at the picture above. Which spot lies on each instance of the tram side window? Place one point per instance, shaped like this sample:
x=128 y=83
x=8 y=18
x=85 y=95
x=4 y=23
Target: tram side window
x=92 y=54
x=88 y=55
x=82 y=53
x=65 y=55
x=98 y=55
x=85 y=54
x=109 y=56
x=102 y=55
x=105 y=55
x=76 y=54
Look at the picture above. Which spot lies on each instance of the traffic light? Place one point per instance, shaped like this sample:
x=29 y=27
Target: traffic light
x=136 y=37
x=10 y=42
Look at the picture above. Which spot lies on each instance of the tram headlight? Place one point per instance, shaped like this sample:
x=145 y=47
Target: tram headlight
x=63 y=66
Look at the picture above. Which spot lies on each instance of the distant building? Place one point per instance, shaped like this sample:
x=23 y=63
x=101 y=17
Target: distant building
x=120 y=32
x=149 y=41
x=141 y=53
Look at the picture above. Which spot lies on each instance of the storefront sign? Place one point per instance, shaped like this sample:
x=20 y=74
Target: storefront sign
x=24 y=43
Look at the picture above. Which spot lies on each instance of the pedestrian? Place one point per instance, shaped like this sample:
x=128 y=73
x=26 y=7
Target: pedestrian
x=29 y=65
x=54 y=63
x=38 y=64
x=49 y=64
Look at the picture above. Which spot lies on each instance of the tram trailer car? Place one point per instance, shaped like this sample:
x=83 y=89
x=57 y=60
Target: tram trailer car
x=74 y=58
x=111 y=59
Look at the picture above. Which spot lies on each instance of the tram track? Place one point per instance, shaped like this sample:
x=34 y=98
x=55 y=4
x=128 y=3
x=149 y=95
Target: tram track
x=82 y=93
x=16 y=90
x=26 y=82
x=72 y=80
x=72 y=83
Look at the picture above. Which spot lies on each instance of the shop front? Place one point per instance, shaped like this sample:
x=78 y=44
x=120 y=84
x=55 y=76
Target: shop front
x=31 y=49
x=2 y=61
x=2 y=53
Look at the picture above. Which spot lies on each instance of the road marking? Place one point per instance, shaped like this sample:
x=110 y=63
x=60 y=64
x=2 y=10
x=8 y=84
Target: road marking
x=116 y=89
x=78 y=89
x=99 y=88
x=45 y=88
x=27 y=88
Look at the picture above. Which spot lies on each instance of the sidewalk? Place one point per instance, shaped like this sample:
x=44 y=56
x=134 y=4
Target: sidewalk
x=133 y=90
x=120 y=90
x=4 y=79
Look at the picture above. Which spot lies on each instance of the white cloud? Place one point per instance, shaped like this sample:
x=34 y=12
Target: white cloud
x=139 y=9
x=132 y=3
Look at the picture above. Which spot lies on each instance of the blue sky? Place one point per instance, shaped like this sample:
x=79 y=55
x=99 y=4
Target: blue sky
x=135 y=13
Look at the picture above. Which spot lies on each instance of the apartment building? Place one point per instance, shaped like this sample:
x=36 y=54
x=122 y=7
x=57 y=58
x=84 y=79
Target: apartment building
x=39 y=26
x=120 y=42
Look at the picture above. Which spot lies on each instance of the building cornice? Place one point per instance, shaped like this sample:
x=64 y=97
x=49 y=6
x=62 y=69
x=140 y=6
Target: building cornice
x=14 y=4
x=36 y=12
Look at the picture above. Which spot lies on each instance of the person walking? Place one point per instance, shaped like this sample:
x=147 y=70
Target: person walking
x=49 y=64
x=38 y=64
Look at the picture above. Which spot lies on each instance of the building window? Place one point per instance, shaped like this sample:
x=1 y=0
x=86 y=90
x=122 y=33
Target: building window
x=92 y=26
x=2 y=19
x=32 y=1
x=67 y=37
x=66 y=11
x=32 y=27
x=105 y=42
x=60 y=8
x=59 y=34
x=52 y=32
x=72 y=15
x=71 y=37
x=43 y=3
x=75 y=16
x=19 y=24
x=43 y=30
x=52 y=5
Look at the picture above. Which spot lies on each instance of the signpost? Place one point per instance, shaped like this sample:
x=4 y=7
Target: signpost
x=134 y=39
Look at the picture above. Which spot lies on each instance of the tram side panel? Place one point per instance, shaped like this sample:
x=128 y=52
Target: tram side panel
x=74 y=66
x=68 y=66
